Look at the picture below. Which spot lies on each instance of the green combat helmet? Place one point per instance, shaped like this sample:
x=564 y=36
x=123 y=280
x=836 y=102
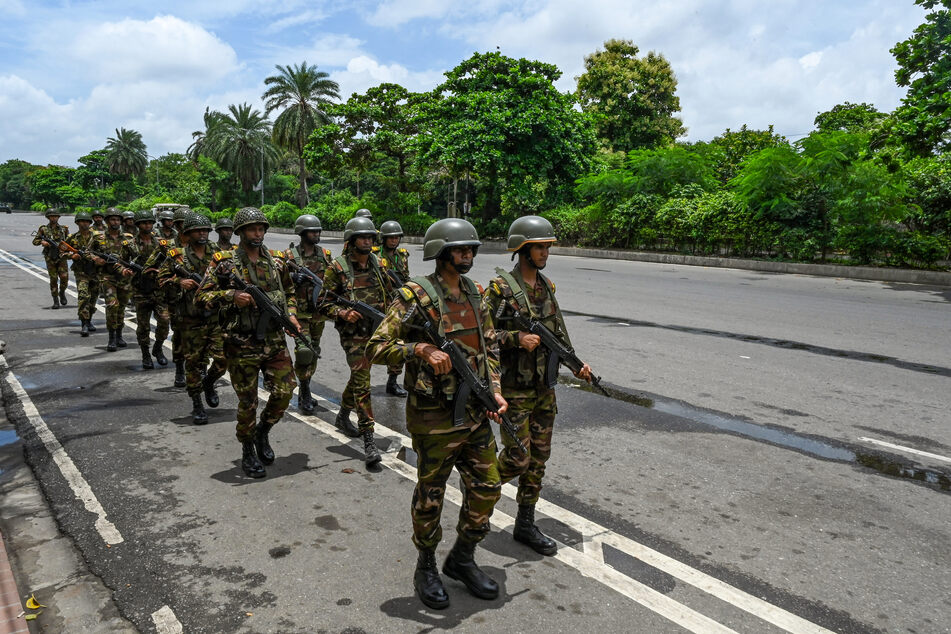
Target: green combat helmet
x=195 y=222
x=129 y=214
x=166 y=214
x=224 y=223
x=308 y=222
x=180 y=214
x=53 y=211
x=447 y=233
x=112 y=211
x=250 y=216
x=363 y=213
x=143 y=216
x=97 y=214
x=391 y=228
x=528 y=229
x=358 y=226
x=82 y=215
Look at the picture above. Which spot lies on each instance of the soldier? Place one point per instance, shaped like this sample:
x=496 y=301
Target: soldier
x=116 y=283
x=178 y=240
x=55 y=262
x=247 y=356
x=450 y=300
x=128 y=223
x=200 y=329
x=85 y=272
x=398 y=260
x=178 y=219
x=525 y=385
x=166 y=230
x=145 y=291
x=98 y=222
x=225 y=229
x=363 y=213
x=308 y=254
x=357 y=275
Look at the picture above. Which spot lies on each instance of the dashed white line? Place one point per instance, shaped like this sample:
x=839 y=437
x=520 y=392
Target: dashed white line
x=165 y=621
x=910 y=450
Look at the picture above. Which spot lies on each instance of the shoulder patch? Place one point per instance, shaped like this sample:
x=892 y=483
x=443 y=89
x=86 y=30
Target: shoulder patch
x=163 y=242
x=384 y=263
x=327 y=252
x=277 y=254
x=406 y=293
x=479 y=286
x=174 y=253
x=221 y=255
x=376 y=249
x=403 y=251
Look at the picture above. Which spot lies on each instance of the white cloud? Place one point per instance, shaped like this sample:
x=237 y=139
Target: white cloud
x=362 y=72
x=12 y=7
x=327 y=51
x=295 y=19
x=811 y=60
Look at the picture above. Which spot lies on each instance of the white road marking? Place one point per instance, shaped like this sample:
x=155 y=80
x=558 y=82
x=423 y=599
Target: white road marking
x=916 y=452
x=590 y=561
x=66 y=466
x=165 y=621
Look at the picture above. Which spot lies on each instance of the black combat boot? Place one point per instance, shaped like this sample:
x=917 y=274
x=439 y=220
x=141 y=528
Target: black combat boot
x=55 y=302
x=84 y=328
x=249 y=461
x=159 y=354
x=199 y=415
x=119 y=340
x=393 y=388
x=426 y=580
x=371 y=453
x=305 y=401
x=344 y=424
x=526 y=532
x=461 y=566
x=91 y=327
x=211 y=394
x=62 y=297
x=146 y=357
x=179 y=374
x=111 y=346
x=261 y=444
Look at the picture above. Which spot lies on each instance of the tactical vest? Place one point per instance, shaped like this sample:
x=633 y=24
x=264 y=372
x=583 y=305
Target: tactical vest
x=244 y=321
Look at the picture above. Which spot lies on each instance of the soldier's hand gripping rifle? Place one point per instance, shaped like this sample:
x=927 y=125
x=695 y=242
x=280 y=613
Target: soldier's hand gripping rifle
x=181 y=271
x=366 y=311
x=558 y=352
x=112 y=260
x=58 y=245
x=470 y=385
x=270 y=312
x=303 y=274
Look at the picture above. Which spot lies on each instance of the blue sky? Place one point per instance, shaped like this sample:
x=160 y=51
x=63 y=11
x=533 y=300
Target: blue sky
x=72 y=72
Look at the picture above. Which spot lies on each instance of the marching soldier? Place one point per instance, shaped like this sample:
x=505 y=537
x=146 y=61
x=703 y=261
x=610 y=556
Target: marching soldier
x=308 y=253
x=200 y=330
x=178 y=219
x=248 y=356
x=55 y=262
x=357 y=275
x=155 y=261
x=451 y=301
x=225 y=229
x=145 y=291
x=85 y=272
x=116 y=283
x=526 y=385
x=166 y=230
x=98 y=222
x=398 y=260
x=128 y=223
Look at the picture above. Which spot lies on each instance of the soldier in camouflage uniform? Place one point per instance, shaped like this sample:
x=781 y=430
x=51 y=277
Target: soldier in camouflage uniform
x=176 y=218
x=247 y=355
x=308 y=253
x=145 y=291
x=166 y=229
x=128 y=223
x=200 y=329
x=85 y=272
x=98 y=222
x=225 y=230
x=55 y=261
x=116 y=282
x=526 y=385
x=357 y=275
x=397 y=258
x=452 y=302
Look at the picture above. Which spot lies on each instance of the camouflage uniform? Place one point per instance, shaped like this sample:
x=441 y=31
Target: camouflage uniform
x=99 y=226
x=86 y=274
x=55 y=261
x=246 y=356
x=145 y=293
x=438 y=443
x=116 y=289
x=344 y=277
x=310 y=319
x=398 y=261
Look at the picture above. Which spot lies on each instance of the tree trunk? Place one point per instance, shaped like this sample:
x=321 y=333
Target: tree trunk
x=303 y=197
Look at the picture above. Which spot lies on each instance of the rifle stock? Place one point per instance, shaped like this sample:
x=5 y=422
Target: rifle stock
x=270 y=312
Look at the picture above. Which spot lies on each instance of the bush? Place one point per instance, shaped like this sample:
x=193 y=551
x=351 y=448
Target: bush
x=282 y=214
x=415 y=224
x=145 y=202
x=38 y=206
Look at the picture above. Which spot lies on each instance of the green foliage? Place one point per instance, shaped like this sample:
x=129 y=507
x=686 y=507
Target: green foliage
x=282 y=214
x=240 y=142
x=727 y=151
x=850 y=117
x=15 y=182
x=147 y=202
x=929 y=187
x=631 y=99
x=127 y=154
x=38 y=206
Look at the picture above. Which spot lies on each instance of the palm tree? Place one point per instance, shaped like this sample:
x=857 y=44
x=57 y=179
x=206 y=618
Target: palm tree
x=240 y=142
x=303 y=92
x=127 y=154
x=200 y=137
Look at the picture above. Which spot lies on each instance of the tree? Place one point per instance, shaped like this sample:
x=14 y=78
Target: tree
x=15 y=182
x=240 y=142
x=325 y=151
x=850 y=117
x=503 y=119
x=631 y=99
x=127 y=153
x=199 y=143
x=54 y=186
x=303 y=92
x=923 y=121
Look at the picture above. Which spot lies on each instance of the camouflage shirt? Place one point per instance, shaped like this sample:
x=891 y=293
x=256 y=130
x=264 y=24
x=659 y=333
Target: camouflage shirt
x=317 y=262
x=140 y=251
x=82 y=268
x=395 y=341
x=397 y=260
x=177 y=267
x=370 y=284
x=58 y=233
x=106 y=242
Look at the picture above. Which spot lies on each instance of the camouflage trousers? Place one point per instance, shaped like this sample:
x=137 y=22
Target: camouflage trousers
x=313 y=327
x=176 y=326
x=202 y=340
x=395 y=368
x=472 y=453
x=116 y=295
x=59 y=276
x=535 y=419
x=244 y=363
x=356 y=394
x=88 y=290
x=144 y=309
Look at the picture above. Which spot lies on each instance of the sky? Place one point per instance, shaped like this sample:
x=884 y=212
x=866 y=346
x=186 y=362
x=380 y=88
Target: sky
x=72 y=72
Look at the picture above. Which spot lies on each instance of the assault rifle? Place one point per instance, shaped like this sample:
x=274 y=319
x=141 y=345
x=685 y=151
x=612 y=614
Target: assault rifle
x=303 y=274
x=366 y=311
x=59 y=245
x=112 y=260
x=470 y=384
x=181 y=271
x=557 y=351
x=270 y=312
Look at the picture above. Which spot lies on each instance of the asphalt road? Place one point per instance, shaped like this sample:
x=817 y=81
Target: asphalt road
x=736 y=481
